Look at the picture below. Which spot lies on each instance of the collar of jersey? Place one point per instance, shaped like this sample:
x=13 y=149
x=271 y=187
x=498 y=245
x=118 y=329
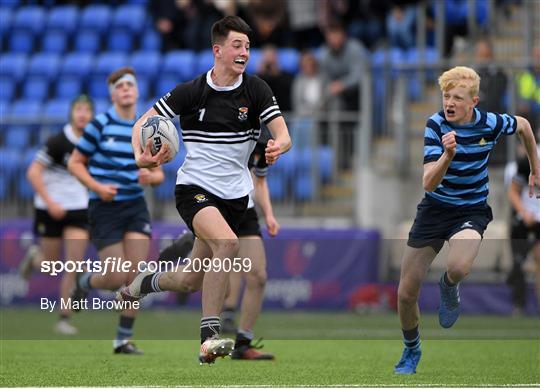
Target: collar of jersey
x=477 y=117
x=222 y=88
x=70 y=134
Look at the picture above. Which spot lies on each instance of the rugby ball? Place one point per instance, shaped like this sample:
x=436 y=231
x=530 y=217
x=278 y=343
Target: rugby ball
x=161 y=131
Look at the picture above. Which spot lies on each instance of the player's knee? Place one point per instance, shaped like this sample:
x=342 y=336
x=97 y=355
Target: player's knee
x=407 y=297
x=457 y=272
x=256 y=279
x=230 y=246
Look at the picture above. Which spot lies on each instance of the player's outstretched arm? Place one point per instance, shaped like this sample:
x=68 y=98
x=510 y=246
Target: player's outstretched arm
x=144 y=157
x=262 y=198
x=34 y=174
x=77 y=166
x=526 y=135
x=434 y=171
x=281 y=141
x=153 y=176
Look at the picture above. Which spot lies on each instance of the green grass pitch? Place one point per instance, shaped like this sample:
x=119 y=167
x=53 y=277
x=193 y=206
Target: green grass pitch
x=312 y=349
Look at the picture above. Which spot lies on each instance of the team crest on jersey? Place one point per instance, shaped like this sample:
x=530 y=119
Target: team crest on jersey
x=242 y=114
x=200 y=198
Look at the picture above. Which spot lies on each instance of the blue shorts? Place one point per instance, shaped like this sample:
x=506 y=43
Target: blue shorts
x=437 y=222
x=109 y=221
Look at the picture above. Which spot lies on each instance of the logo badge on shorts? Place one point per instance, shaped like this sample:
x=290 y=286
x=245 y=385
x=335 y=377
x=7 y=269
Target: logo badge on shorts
x=200 y=198
x=467 y=224
x=147 y=228
x=242 y=114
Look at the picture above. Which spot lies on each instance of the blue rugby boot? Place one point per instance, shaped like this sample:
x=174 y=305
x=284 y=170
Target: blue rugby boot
x=409 y=360
x=449 y=308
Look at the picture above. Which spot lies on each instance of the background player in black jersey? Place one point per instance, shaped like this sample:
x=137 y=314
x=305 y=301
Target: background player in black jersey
x=524 y=234
x=252 y=247
x=60 y=204
x=220 y=114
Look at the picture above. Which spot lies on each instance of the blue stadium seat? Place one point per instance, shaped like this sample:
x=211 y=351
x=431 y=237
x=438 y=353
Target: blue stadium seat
x=24 y=188
x=101 y=105
x=144 y=86
x=54 y=42
x=180 y=63
x=165 y=84
x=142 y=106
x=87 y=41
x=44 y=64
x=68 y=87
x=97 y=86
x=326 y=158
x=21 y=41
x=303 y=188
x=146 y=63
x=7 y=89
x=6 y=19
x=288 y=162
x=25 y=109
x=18 y=137
x=130 y=17
x=96 y=17
x=289 y=60
x=108 y=62
x=120 y=40
x=77 y=64
x=255 y=56
x=14 y=65
x=277 y=185
x=57 y=109
x=151 y=40
x=9 y=162
x=30 y=18
x=4 y=185
x=63 y=18
x=36 y=88
x=204 y=62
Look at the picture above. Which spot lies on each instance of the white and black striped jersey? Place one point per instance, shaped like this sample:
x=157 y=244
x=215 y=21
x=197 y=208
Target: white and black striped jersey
x=220 y=126
x=63 y=188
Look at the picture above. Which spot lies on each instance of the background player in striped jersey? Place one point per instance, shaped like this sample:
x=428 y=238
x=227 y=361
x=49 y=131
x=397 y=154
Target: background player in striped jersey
x=60 y=204
x=220 y=114
x=119 y=220
x=457 y=143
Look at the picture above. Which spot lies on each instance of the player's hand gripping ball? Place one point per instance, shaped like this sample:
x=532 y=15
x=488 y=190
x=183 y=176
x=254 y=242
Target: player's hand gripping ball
x=161 y=131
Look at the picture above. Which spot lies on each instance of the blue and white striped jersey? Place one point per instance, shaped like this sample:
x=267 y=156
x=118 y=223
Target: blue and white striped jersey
x=466 y=180
x=106 y=143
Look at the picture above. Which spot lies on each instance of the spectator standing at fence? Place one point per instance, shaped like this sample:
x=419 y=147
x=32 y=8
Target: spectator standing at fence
x=184 y=24
x=343 y=60
x=400 y=23
x=492 y=91
x=304 y=23
x=277 y=79
x=307 y=89
x=528 y=88
x=61 y=204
